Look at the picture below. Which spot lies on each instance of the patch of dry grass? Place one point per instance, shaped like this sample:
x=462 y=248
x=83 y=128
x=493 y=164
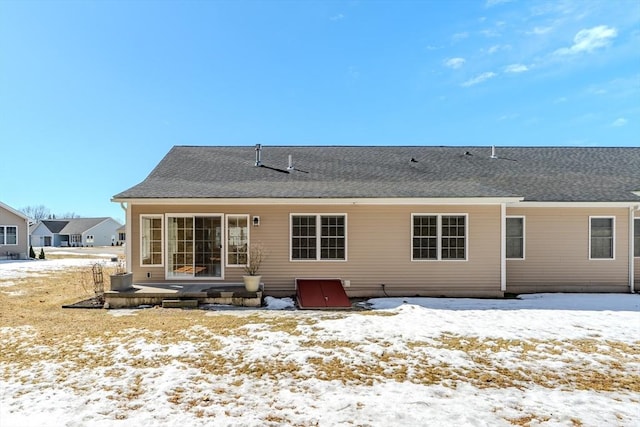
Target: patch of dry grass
x=90 y=338
x=37 y=332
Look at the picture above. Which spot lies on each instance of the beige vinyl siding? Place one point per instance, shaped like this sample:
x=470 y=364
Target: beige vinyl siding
x=8 y=218
x=378 y=250
x=557 y=252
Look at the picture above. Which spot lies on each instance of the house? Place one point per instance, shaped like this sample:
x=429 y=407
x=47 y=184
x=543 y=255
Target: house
x=121 y=235
x=438 y=221
x=75 y=232
x=14 y=232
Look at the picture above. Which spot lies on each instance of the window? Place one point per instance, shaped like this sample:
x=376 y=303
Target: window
x=453 y=237
x=8 y=235
x=151 y=240
x=425 y=237
x=237 y=239
x=439 y=237
x=636 y=237
x=515 y=237
x=318 y=237
x=601 y=232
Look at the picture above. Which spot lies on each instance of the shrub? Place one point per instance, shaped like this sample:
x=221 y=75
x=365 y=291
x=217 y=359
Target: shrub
x=32 y=253
x=41 y=253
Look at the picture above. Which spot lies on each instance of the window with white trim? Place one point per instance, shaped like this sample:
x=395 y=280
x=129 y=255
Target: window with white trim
x=318 y=237
x=601 y=240
x=425 y=237
x=439 y=237
x=8 y=235
x=151 y=240
x=237 y=240
x=636 y=237
x=515 y=237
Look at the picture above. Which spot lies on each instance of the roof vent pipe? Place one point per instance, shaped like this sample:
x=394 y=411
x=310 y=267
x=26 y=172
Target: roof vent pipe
x=493 y=152
x=290 y=167
x=258 y=155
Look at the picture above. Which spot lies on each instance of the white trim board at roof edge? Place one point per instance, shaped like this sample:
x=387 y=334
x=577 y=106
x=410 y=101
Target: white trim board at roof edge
x=326 y=201
x=14 y=211
x=523 y=204
x=509 y=201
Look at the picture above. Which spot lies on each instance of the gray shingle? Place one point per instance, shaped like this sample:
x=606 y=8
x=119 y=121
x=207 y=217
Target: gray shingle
x=535 y=173
x=72 y=225
x=80 y=225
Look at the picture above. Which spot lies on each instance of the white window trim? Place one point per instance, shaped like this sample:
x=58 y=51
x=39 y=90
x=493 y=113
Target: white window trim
x=226 y=242
x=439 y=237
x=633 y=236
x=165 y=247
x=524 y=237
x=613 y=237
x=162 y=240
x=319 y=237
x=4 y=235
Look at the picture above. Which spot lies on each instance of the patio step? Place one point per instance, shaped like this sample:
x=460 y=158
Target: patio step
x=179 y=303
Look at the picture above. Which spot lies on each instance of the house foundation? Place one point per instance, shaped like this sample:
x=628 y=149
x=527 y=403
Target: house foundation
x=158 y=294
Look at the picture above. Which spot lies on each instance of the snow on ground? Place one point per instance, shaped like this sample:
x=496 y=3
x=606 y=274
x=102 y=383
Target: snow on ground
x=542 y=316
x=33 y=268
x=272 y=303
x=76 y=253
x=543 y=359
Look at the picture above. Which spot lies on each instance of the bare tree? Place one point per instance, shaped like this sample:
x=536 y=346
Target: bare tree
x=70 y=215
x=37 y=213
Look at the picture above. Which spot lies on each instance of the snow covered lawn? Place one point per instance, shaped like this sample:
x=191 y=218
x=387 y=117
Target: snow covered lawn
x=565 y=360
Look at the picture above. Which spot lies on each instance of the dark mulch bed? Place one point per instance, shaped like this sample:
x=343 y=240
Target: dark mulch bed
x=94 y=302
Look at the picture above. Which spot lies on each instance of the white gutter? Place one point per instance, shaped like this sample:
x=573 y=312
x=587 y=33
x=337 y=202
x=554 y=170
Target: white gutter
x=503 y=247
x=571 y=204
x=326 y=201
x=127 y=237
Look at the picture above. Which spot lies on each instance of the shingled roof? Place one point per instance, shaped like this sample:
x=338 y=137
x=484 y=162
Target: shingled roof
x=72 y=225
x=534 y=173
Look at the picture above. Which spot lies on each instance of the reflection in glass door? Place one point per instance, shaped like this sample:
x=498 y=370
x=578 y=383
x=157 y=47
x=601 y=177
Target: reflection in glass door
x=194 y=246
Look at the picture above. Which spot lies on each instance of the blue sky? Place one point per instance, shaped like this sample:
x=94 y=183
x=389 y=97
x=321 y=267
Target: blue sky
x=93 y=94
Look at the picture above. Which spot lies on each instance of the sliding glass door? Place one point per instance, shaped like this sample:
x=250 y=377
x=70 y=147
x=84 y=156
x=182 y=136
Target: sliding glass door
x=194 y=246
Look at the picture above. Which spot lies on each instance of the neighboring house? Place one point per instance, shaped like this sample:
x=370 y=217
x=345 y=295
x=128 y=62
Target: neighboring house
x=439 y=221
x=75 y=232
x=14 y=237
x=121 y=235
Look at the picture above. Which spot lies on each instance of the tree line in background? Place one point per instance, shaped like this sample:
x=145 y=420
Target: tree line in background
x=41 y=212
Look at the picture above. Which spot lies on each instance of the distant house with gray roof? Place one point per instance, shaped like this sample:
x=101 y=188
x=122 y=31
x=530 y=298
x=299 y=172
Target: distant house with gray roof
x=403 y=220
x=75 y=232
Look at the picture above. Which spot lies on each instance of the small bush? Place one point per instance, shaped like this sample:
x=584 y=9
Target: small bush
x=41 y=253
x=32 y=253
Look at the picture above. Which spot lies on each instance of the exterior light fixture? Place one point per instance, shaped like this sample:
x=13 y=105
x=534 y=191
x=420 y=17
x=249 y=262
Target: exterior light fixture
x=256 y=221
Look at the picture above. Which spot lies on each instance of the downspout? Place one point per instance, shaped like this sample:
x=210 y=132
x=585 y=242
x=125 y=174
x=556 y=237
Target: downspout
x=503 y=247
x=127 y=237
x=27 y=240
x=632 y=210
